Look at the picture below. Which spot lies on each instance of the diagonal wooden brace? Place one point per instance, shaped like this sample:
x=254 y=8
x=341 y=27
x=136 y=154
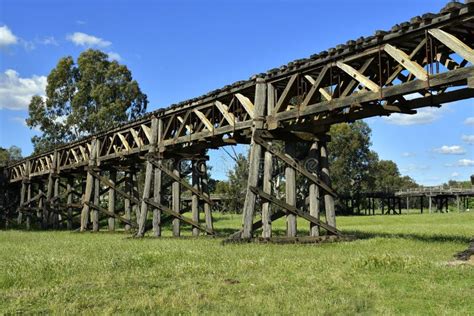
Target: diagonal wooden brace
x=295 y=165
x=295 y=210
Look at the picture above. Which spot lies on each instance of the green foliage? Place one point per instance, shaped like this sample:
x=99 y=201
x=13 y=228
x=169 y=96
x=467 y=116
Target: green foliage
x=11 y=154
x=84 y=98
x=236 y=185
x=400 y=268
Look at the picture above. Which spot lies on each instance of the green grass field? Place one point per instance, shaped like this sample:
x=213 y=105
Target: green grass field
x=399 y=265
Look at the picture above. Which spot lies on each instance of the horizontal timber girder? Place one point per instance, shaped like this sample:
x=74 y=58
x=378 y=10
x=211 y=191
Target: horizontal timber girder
x=422 y=63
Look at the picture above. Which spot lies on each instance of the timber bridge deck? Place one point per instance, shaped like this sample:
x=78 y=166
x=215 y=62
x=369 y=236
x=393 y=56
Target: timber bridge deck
x=426 y=61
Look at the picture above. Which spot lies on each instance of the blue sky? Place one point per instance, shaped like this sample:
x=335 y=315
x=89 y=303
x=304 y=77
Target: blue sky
x=181 y=49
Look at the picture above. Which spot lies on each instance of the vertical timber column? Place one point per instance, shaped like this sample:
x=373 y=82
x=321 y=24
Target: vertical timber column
x=157 y=185
x=429 y=203
x=194 y=197
x=28 y=198
x=95 y=212
x=148 y=179
x=313 y=166
x=176 y=199
x=136 y=194
x=255 y=155
x=267 y=173
x=89 y=187
x=22 y=201
x=328 y=199
x=290 y=190
x=69 y=187
x=56 y=215
x=111 y=205
x=127 y=206
x=205 y=190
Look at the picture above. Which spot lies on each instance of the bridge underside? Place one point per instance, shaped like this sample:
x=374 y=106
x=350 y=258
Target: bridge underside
x=283 y=114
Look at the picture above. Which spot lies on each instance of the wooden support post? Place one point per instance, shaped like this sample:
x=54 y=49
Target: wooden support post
x=328 y=199
x=312 y=165
x=111 y=205
x=408 y=203
x=267 y=188
x=429 y=203
x=89 y=187
x=457 y=203
x=176 y=199
x=157 y=186
x=47 y=206
x=205 y=190
x=254 y=159
x=290 y=190
x=69 y=187
x=136 y=195
x=194 y=197
x=94 y=211
x=126 y=202
x=148 y=180
x=28 y=198
x=21 y=202
x=56 y=217
x=422 y=201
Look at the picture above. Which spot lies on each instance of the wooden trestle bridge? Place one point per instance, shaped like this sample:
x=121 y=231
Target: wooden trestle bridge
x=426 y=61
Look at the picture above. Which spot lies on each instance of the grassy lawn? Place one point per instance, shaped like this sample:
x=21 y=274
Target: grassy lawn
x=398 y=266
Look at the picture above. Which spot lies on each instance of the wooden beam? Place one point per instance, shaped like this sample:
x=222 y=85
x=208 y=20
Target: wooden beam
x=285 y=95
x=224 y=109
x=294 y=210
x=110 y=214
x=178 y=216
x=358 y=76
x=454 y=44
x=204 y=120
x=403 y=59
x=295 y=165
x=247 y=104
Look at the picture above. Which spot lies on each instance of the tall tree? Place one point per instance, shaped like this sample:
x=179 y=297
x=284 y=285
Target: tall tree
x=84 y=98
x=350 y=157
x=11 y=154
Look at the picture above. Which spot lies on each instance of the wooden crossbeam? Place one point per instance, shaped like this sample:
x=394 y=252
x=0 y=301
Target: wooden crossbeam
x=224 y=109
x=147 y=131
x=285 y=95
x=204 y=120
x=455 y=44
x=358 y=76
x=295 y=165
x=247 y=104
x=294 y=210
x=136 y=138
x=403 y=59
x=181 y=181
x=111 y=214
x=353 y=83
x=111 y=185
x=178 y=216
x=183 y=124
x=316 y=87
x=124 y=141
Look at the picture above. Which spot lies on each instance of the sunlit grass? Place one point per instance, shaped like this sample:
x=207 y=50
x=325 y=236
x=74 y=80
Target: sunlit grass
x=397 y=266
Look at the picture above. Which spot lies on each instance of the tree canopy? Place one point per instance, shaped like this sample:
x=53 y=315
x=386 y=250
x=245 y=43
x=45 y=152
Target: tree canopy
x=83 y=98
x=11 y=154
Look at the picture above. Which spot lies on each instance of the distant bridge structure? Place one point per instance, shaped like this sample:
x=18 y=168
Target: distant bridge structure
x=424 y=62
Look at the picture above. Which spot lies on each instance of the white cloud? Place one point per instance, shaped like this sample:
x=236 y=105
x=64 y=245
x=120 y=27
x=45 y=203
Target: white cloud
x=83 y=39
x=469 y=121
x=450 y=150
x=408 y=154
x=16 y=92
x=424 y=116
x=414 y=168
x=454 y=174
x=466 y=163
x=7 y=37
x=468 y=139
x=81 y=22
x=114 y=56
x=48 y=40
